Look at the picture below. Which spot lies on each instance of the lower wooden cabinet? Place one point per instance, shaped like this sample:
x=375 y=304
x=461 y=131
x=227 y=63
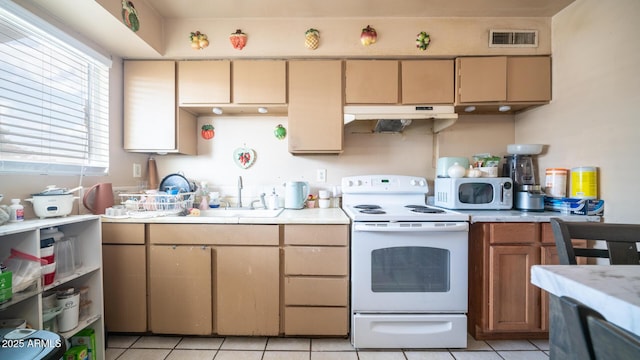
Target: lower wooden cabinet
x=124 y=261
x=204 y=279
x=247 y=290
x=514 y=304
x=180 y=296
x=503 y=304
x=315 y=280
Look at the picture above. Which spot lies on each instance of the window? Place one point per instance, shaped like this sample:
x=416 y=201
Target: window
x=54 y=99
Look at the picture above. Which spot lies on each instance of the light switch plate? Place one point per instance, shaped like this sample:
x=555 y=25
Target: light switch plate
x=321 y=175
x=137 y=170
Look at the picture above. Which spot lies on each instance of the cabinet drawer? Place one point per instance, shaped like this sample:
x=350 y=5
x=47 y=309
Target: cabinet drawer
x=316 y=235
x=203 y=234
x=316 y=320
x=514 y=233
x=314 y=260
x=122 y=233
x=316 y=291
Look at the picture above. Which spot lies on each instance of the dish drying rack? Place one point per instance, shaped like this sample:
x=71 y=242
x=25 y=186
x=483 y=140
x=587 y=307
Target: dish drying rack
x=160 y=204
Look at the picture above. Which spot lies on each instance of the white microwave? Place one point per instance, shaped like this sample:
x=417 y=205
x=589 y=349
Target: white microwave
x=474 y=193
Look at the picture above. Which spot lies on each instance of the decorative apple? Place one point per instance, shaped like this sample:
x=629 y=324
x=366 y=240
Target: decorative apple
x=368 y=36
x=280 y=132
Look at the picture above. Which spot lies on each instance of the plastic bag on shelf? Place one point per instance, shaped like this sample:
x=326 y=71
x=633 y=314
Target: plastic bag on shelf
x=26 y=269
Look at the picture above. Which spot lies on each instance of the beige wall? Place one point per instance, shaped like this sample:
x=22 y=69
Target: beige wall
x=593 y=120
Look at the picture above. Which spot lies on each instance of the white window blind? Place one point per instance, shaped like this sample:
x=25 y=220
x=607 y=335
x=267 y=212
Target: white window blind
x=54 y=103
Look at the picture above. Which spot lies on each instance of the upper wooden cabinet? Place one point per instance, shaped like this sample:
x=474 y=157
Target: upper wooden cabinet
x=427 y=81
x=152 y=121
x=315 y=106
x=529 y=78
x=259 y=81
x=371 y=81
x=204 y=82
x=503 y=79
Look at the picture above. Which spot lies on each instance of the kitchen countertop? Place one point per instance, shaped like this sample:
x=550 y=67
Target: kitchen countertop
x=523 y=216
x=612 y=290
x=287 y=216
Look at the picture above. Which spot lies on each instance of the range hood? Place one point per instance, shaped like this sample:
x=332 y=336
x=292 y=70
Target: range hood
x=400 y=115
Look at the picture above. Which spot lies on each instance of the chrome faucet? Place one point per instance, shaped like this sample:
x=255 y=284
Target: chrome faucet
x=239 y=191
x=261 y=200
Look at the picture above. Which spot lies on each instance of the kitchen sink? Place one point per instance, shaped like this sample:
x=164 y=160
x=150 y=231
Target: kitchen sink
x=244 y=213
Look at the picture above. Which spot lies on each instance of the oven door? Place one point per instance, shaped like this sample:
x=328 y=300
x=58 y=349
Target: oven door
x=409 y=267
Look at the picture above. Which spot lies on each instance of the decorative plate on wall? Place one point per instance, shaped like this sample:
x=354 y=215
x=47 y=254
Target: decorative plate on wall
x=244 y=157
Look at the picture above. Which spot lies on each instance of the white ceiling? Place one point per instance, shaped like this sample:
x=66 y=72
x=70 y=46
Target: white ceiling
x=185 y=9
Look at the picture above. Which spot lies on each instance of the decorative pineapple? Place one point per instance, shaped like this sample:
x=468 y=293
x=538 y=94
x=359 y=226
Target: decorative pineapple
x=312 y=39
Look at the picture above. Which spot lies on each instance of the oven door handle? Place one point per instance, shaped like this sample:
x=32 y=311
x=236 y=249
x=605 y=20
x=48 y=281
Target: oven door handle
x=410 y=226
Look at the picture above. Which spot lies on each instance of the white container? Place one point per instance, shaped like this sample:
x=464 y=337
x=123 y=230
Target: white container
x=324 y=203
x=16 y=211
x=68 y=318
x=555 y=184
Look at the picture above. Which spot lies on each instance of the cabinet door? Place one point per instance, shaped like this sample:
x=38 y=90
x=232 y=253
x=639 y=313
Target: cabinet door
x=149 y=105
x=427 y=82
x=180 y=296
x=371 y=82
x=204 y=82
x=259 y=81
x=125 y=286
x=513 y=300
x=482 y=79
x=315 y=106
x=152 y=121
x=529 y=79
x=247 y=290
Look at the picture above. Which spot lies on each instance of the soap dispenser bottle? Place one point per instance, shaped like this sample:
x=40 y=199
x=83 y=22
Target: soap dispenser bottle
x=273 y=200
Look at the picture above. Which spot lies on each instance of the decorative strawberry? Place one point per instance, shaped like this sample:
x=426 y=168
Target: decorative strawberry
x=280 y=132
x=238 y=39
x=422 y=40
x=207 y=132
x=312 y=39
x=368 y=36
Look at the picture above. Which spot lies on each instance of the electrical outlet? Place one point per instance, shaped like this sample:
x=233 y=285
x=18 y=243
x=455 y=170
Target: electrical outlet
x=321 y=175
x=137 y=170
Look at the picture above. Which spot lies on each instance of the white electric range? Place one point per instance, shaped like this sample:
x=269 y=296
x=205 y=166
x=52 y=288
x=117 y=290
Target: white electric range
x=408 y=265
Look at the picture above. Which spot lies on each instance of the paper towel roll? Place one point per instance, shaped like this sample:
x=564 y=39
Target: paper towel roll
x=153 y=174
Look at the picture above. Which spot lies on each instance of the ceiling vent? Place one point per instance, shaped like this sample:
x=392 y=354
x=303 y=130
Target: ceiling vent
x=513 y=38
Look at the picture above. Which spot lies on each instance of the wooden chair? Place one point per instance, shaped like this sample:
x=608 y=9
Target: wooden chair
x=621 y=241
x=611 y=342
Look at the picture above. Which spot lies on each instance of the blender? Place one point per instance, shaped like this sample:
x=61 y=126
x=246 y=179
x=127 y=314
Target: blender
x=528 y=195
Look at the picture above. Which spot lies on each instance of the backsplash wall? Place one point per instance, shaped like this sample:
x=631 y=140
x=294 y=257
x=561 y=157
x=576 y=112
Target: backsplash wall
x=409 y=153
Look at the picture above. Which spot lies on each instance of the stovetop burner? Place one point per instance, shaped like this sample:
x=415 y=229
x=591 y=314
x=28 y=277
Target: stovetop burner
x=367 y=207
x=373 y=211
x=424 y=209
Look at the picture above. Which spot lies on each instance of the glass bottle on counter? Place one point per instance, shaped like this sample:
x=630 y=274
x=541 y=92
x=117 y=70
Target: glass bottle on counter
x=201 y=196
x=214 y=199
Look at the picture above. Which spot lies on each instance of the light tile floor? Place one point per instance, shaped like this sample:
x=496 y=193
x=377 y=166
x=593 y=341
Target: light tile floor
x=262 y=348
